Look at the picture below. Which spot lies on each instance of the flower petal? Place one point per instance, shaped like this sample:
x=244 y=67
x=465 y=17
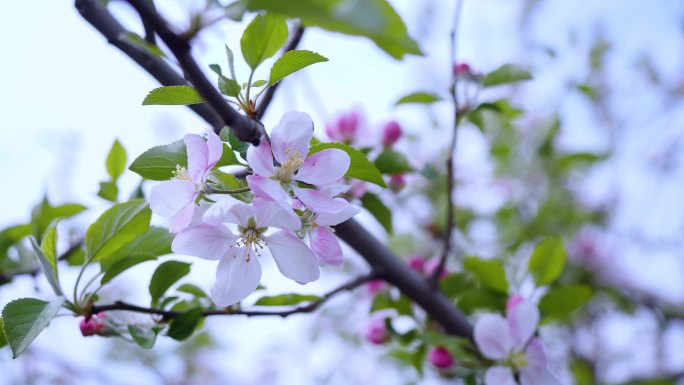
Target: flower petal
x=326 y=247
x=499 y=375
x=334 y=189
x=536 y=356
x=220 y=212
x=183 y=219
x=493 y=337
x=260 y=159
x=236 y=277
x=293 y=133
x=204 y=241
x=319 y=202
x=324 y=167
x=215 y=149
x=332 y=219
x=530 y=376
x=523 y=318
x=169 y=197
x=276 y=214
x=198 y=157
x=266 y=188
x=294 y=258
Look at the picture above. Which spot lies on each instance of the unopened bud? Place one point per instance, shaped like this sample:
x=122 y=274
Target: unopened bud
x=462 y=69
x=391 y=133
x=376 y=331
x=93 y=325
x=345 y=128
x=375 y=286
x=397 y=182
x=417 y=263
x=440 y=358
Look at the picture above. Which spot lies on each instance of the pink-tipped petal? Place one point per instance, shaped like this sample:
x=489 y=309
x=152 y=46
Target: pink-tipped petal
x=499 y=375
x=326 y=247
x=215 y=148
x=293 y=257
x=204 y=241
x=198 y=157
x=260 y=159
x=266 y=188
x=319 y=202
x=523 y=318
x=324 y=167
x=513 y=301
x=292 y=135
x=236 y=277
x=332 y=219
x=169 y=197
x=276 y=214
x=183 y=219
x=493 y=337
x=219 y=212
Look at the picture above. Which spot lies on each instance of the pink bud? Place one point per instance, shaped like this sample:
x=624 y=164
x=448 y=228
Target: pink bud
x=417 y=263
x=440 y=358
x=391 y=133
x=397 y=182
x=345 y=127
x=461 y=69
x=93 y=325
x=375 y=286
x=376 y=331
x=432 y=264
x=513 y=301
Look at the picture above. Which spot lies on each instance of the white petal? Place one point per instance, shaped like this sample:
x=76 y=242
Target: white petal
x=293 y=133
x=324 y=167
x=326 y=247
x=169 y=197
x=334 y=189
x=220 y=212
x=204 y=241
x=536 y=356
x=236 y=278
x=198 y=156
x=276 y=214
x=332 y=219
x=523 y=318
x=260 y=159
x=492 y=336
x=215 y=147
x=499 y=375
x=183 y=219
x=531 y=377
x=266 y=188
x=293 y=257
x=319 y=202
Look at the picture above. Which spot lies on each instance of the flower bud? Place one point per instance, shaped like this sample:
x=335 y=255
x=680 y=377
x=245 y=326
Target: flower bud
x=431 y=265
x=391 y=133
x=462 y=69
x=375 y=286
x=345 y=128
x=93 y=325
x=417 y=263
x=440 y=358
x=376 y=331
x=397 y=183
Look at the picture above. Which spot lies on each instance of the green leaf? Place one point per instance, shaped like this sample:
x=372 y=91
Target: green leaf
x=259 y=83
x=115 y=228
x=116 y=161
x=359 y=168
x=421 y=97
x=155 y=242
x=159 y=163
x=490 y=273
x=12 y=235
x=143 y=44
x=108 y=191
x=3 y=340
x=291 y=62
x=183 y=325
x=547 y=260
x=173 y=95
x=145 y=337
x=507 y=73
x=123 y=265
x=25 y=318
x=286 y=299
x=456 y=284
x=481 y=299
x=228 y=157
x=47 y=257
x=236 y=10
x=166 y=275
x=374 y=19
x=236 y=144
x=374 y=205
x=44 y=213
x=382 y=301
x=231 y=62
x=392 y=162
x=192 y=289
x=560 y=302
x=228 y=87
x=263 y=38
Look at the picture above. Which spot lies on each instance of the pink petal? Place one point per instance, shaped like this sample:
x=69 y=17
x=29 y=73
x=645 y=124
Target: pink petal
x=499 y=375
x=324 y=167
x=293 y=133
x=276 y=214
x=266 y=188
x=334 y=189
x=219 y=212
x=523 y=318
x=204 y=241
x=529 y=376
x=236 y=278
x=215 y=149
x=183 y=219
x=326 y=247
x=492 y=336
x=198 y=157
x=169 y=197
x=293 y=257
x=332 y=219
x=260 y=159
x=240 y=213
x=536 y=356
x=319 y=202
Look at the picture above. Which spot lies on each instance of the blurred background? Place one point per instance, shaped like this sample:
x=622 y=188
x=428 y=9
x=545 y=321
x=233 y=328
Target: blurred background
x=608 y=84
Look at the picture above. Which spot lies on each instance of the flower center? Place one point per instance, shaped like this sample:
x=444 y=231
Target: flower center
x=519 y=360
x=181 y=173
x=251 y=236
x=286 y=170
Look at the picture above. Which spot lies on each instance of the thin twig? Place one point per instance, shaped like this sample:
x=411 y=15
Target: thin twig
x=452 y=148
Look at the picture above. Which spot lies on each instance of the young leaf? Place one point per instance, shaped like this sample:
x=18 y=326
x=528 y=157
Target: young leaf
x=166 y=275
x=490 y=273
x=374 y=205
x=286 y=300
x=419 y=97
x=481 y=299
x=159 y=163
x=44 y=213
x=192 y=289
x=145 y=337
x=236 y=144
x=152 y=244
x=115 y=228
x=3 y=340
x=173 y=95
x=392 y=162
x=231 y=62
x=183 y=325
x=25 y=318
x=228 y=87
x=548 y=260
x=123 y=265
x=291 y=62
x=47 y=257
x=359 y=168
x=263 y=38
x=228 y=157
x=560 y=302
x=456 y=284
x=116 y=161
x=236 y=10
x=108 y=191
x=507 y=73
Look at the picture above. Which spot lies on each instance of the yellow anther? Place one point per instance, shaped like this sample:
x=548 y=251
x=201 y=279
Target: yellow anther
x=181 y=173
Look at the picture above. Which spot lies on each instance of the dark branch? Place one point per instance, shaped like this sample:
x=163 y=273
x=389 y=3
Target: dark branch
x=268 y=95
x=308 y=308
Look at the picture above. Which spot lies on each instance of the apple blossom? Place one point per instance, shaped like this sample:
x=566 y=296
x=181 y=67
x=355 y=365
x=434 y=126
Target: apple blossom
x=391 y=132
x=93 y=325
x=345 y=128
x=376 y=331
x=440 y=358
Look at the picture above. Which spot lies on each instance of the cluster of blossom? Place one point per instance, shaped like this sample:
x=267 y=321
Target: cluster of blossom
x=294 y=200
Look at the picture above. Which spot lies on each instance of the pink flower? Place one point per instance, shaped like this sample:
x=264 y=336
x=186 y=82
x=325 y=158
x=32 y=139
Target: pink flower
x=440 y=358
x=391 y=133
x=239 y=271
x=431 y=265
x=345 y=129
x=179 y=198
x=397 y=182
x=93 y=325
x=375 y=286
x=461 y=69
x=510 y=341
x=289 y=146
x=376 y=331
x=417 y=263
x=323 y=243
